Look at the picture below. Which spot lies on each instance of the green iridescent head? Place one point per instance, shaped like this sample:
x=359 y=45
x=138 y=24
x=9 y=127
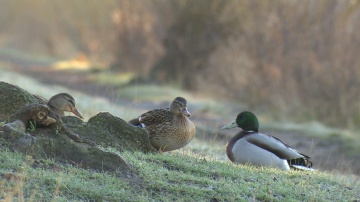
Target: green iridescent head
x=246 y=121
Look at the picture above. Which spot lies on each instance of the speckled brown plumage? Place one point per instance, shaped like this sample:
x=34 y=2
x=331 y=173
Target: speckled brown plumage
x=169 y=129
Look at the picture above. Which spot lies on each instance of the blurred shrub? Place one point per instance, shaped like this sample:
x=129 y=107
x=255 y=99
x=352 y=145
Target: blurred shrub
x=62 y=28
x=138 y=35
x=290 y=57
x=303 y=58
x=296 y=58
x=293 y=57
x=197 y=29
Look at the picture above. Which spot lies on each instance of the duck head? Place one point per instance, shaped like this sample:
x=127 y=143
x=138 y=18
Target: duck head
x=178 y=107
x=63 y=102
x=246 y=121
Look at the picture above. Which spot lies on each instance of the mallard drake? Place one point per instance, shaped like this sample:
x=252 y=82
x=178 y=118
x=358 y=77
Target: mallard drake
x=169 y=128
x=252 y=147
x=63 y=102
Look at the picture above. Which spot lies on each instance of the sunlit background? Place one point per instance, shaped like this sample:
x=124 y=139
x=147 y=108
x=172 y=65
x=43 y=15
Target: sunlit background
x=295 y=63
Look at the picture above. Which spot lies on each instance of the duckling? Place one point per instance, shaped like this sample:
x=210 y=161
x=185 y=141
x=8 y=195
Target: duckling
x=169 y=128
x=63 y=102
x=251 y=146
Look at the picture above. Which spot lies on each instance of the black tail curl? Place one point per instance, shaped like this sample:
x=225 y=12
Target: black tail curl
x=300 y=162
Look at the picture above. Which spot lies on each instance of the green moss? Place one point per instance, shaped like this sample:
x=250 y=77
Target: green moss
x=12 y=98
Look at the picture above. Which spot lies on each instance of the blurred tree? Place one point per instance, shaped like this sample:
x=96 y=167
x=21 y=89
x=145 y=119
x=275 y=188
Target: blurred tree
x=198 y=28
x=292 y=57
x=304 y=58
x=138 y=35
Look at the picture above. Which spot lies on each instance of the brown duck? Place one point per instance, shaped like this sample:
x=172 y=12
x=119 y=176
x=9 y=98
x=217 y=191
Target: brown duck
x=169 y=128
x=58 y=104
x=63 y=102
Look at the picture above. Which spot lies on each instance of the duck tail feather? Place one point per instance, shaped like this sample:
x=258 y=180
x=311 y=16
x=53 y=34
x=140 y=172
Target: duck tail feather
x=297 y=167
x=135 y=122
x=300 y=164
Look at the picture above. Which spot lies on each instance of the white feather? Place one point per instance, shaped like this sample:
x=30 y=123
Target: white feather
x=245 y=152
x=303 y=168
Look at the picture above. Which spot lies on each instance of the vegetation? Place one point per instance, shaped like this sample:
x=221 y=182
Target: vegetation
x=166 y=177
x=312 y=138
x=293 y=61
x=199 y=172
x=295 y=58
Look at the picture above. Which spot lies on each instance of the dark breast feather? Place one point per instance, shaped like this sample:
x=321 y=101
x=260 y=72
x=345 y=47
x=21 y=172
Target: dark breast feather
x=231 y=143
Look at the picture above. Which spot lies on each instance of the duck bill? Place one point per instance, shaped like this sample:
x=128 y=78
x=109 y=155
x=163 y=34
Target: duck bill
x=49 y=120
x=185 y=112
x=77 y=113
x=231 y=125
x=44 y=119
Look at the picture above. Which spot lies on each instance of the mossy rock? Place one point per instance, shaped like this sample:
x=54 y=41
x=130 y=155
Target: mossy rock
x=111 y=131
x=12 y=98
x=60 y=138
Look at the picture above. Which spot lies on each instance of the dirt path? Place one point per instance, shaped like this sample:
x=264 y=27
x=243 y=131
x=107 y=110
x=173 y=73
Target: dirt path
x=327 y=154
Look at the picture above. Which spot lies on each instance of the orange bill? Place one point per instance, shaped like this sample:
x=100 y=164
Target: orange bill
x=77 y=113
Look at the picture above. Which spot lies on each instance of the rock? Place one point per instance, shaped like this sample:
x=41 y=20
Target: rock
x=33 y=129
x=107 y=130
x=12 y=98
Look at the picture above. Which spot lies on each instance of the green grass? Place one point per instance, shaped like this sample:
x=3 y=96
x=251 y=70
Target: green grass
x=151 y=93
x=166 y=177
x=25 y=56
x=200 y=171
x=48 y=180
x=113 y=79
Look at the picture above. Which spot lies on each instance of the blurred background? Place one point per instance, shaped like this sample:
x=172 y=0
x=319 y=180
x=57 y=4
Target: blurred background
x=295 y=63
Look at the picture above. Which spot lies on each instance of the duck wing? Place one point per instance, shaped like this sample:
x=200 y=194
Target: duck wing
x=275 y=146
x=302 y=163
x=156 y=116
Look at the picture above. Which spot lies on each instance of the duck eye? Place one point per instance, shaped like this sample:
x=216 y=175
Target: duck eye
x=71 y=102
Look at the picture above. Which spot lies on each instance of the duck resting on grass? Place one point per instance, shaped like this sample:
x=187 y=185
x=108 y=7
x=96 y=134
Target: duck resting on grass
x=250 y=146
x=169 y=128
x=63 y=102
